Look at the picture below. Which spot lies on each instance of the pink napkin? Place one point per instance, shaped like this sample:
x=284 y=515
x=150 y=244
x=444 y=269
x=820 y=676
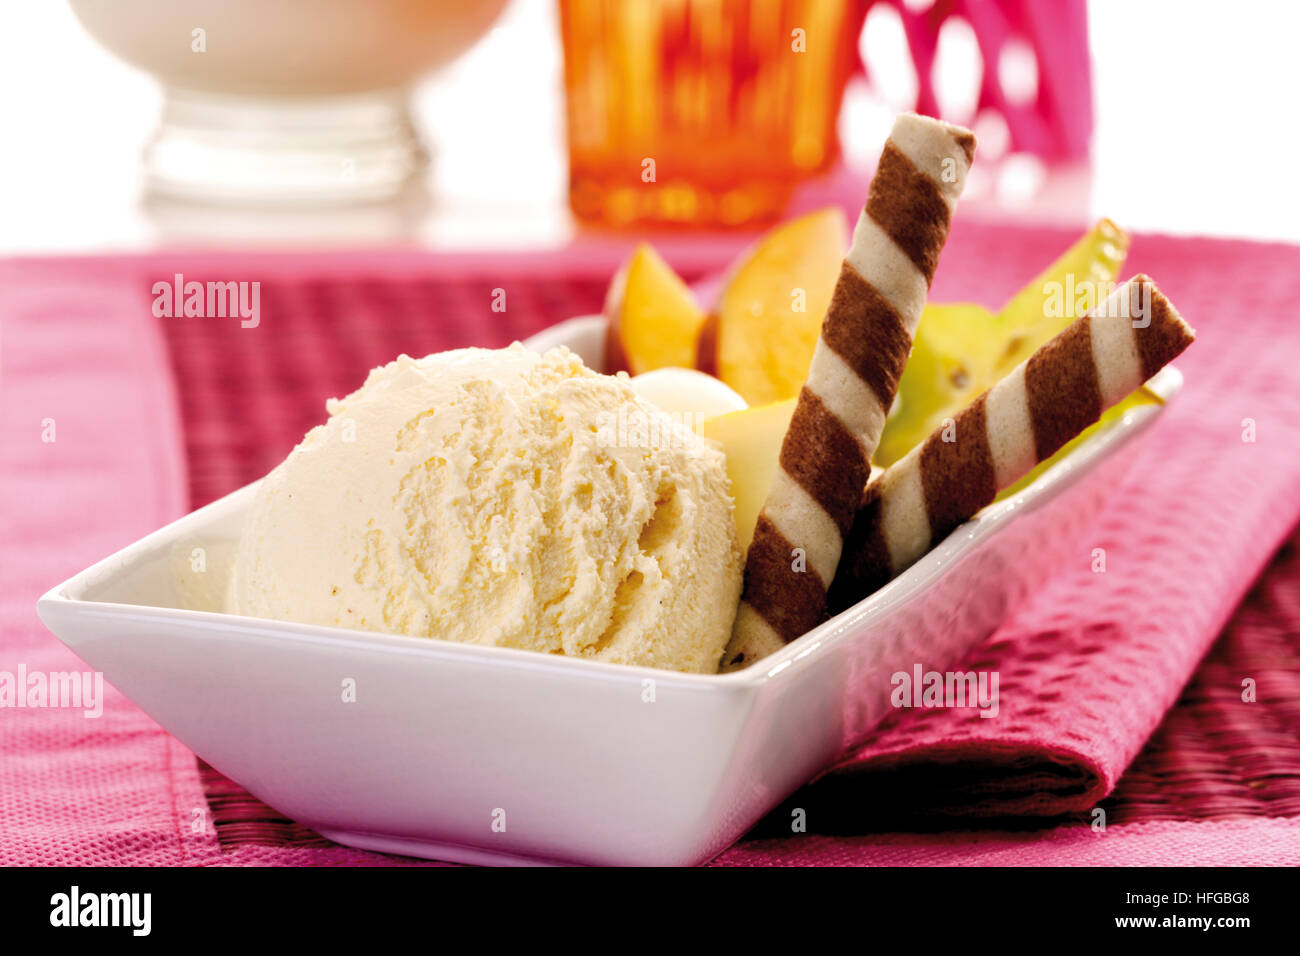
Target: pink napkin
x=92 y=461
x=1090 y=666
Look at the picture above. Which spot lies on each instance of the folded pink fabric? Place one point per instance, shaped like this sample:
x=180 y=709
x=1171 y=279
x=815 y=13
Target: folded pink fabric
x=1246 y=842
x=1089 y=667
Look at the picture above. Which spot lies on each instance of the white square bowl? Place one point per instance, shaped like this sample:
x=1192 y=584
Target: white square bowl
x=481 y=754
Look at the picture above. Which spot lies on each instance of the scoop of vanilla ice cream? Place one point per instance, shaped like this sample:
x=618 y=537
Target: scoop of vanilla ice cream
x=502 y=498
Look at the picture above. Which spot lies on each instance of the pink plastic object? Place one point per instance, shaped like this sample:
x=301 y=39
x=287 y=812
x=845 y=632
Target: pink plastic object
x=1056 y=123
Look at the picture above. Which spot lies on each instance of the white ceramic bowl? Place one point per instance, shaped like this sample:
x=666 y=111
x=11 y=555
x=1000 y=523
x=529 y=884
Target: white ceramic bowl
x=584 y=762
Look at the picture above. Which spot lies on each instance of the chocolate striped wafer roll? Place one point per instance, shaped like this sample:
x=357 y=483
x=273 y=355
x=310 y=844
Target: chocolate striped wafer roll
x=995 y=441
x=865 y=340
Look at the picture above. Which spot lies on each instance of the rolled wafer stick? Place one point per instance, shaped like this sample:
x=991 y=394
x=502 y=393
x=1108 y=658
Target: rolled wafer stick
x=995 y=441
x=865 y=340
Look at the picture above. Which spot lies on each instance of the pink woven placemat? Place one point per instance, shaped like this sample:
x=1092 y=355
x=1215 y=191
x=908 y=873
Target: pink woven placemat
x=1089 y=668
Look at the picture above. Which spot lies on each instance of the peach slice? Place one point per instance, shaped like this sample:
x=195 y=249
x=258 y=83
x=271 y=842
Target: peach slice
x=751 y=439
x=760 y=340
x=654 y=320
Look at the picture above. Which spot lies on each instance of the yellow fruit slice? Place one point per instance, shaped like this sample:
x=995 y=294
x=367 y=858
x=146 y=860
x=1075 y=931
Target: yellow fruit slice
x=654 y=320
x=953 y=353
x=961 y=350
x=751 y=439
x=770 y=311
x=1069 y=288
x=1072 y=286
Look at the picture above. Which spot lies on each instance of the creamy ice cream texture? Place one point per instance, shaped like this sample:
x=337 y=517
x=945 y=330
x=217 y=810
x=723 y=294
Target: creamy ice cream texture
x=501 y=498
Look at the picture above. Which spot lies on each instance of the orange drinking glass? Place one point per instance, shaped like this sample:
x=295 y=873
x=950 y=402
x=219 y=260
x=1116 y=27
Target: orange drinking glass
x=700 y=112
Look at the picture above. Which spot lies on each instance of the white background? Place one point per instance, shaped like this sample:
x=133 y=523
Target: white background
x=1196 y=133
